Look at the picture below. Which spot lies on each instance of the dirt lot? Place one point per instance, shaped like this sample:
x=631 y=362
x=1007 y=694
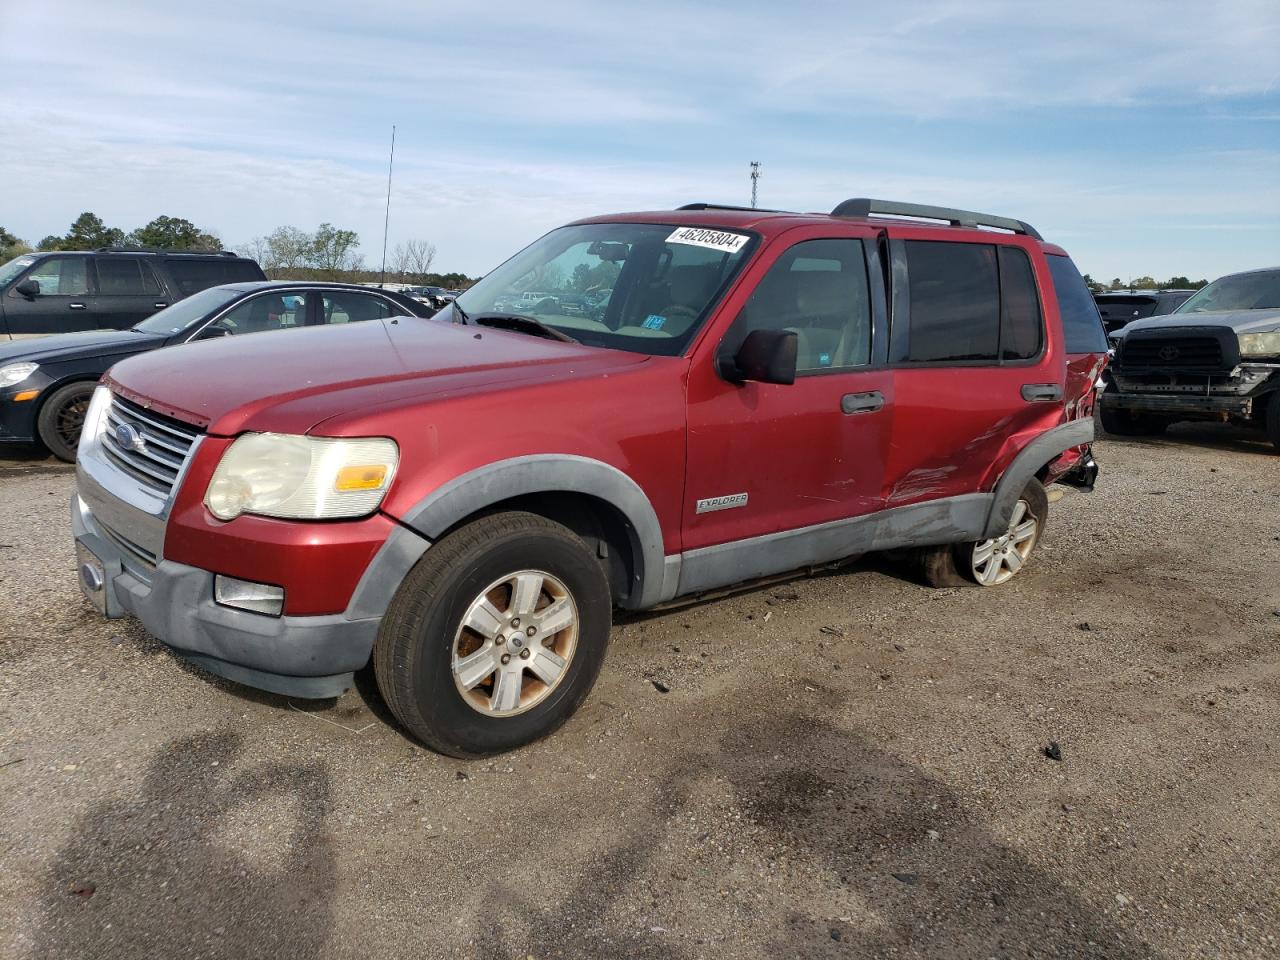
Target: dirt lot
x=877 y=788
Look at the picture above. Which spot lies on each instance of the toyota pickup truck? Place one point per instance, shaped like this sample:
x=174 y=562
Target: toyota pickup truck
x=1216 y=358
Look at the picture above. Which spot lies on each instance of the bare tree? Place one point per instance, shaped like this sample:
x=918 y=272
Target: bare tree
x=401 y=260
x=289 y=250
x=420 y=255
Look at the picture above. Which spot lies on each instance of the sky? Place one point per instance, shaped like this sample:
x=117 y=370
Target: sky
x=1142 y=137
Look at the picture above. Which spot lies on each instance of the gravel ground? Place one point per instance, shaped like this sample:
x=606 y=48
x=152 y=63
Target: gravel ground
x=848 y=765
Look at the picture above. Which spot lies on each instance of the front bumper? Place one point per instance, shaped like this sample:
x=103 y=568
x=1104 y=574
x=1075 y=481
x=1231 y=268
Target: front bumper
x=302 y=656
x=1199 y=406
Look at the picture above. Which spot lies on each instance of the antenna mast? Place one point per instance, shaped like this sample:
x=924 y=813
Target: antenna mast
x=755 y=179
x=386 y=223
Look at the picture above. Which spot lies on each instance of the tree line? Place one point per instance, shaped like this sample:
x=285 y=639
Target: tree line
x=1145 y=283
x=286 y=253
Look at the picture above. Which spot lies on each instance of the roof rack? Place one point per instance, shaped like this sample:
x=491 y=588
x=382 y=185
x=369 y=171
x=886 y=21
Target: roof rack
x=726 y=206
x=165 y=250
x=866 y=207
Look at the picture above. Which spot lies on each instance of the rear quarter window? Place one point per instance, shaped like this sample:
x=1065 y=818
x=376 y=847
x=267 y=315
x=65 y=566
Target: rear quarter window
x=1082 y=330
x=193 y=276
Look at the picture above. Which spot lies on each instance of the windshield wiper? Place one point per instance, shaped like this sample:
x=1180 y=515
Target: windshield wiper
x=462 y=314
x=519 y=322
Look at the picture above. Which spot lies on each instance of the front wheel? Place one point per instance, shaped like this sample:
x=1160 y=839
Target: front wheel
x=997 y=560
x=62 y=418
x=1273 y=420
x=495 y=637
x=1126 y=423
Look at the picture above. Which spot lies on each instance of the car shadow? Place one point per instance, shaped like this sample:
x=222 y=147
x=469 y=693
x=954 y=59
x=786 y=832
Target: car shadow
x=216 y=854
x=1225 y=437
x=817 y=800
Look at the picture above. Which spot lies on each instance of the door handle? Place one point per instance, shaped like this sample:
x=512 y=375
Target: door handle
x=75 y=306
x=862 y=402
x=159 y=306
x=1041 y=392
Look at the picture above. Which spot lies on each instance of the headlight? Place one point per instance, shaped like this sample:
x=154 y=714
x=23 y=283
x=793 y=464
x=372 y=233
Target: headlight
x=1251 y=345
x=302 y=478
x=14 y=373
x=95 y=416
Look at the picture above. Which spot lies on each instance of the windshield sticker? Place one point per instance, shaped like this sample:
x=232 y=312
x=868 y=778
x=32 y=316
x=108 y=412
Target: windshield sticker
x=654 y=321
x=711 y=239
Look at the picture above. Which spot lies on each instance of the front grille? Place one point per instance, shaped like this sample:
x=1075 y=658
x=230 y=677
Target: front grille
x=1169 y=353
x=158 y=454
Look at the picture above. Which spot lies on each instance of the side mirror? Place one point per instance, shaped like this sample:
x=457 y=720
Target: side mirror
x=28 y=288
x=768 y=356
x=213 y=332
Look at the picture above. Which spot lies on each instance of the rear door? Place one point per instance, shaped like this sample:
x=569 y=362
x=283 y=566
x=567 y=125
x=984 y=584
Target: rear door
x=128 y=292
x=977 y=372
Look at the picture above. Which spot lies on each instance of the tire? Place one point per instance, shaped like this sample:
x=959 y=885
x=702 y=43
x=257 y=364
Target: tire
x=1273 y=420
x=423 y=638
x=1125 y=423
x=61 y=417
x=959 y=564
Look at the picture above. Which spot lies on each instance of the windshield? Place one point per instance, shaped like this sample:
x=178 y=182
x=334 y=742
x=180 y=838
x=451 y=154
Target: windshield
x=188 y=312
x=14 y=267
x=643 y=287
x=1243 y=291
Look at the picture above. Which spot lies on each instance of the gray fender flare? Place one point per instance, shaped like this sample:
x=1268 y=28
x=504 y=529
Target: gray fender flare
x=551 y=473
x=1027 y=464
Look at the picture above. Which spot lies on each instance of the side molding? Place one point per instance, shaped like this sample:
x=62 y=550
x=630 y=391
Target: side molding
x=1028 y=463
x=552 y=473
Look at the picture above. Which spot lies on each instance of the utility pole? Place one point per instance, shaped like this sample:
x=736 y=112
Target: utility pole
x=386 y=223
x=755 y=179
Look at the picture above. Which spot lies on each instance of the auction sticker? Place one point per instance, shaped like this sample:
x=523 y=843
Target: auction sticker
x=720 y=240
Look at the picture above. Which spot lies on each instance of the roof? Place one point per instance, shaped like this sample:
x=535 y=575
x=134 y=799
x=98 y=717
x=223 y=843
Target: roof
x=861 y=210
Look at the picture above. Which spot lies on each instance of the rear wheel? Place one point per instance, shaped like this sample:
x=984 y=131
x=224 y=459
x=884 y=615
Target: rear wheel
x=988 y=563
x=495 y=637
x=62 y=417
x=1126 y=423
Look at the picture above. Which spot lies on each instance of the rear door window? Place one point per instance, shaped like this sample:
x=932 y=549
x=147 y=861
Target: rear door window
x=1021 y=321
x=954 y=290
x=1082 y=330
x=125 y=277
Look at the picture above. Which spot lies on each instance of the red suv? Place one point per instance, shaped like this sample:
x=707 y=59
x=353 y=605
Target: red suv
x=750 y=392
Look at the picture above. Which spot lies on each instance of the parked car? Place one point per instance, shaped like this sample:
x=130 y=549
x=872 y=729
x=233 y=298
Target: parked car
x=1217 y=357
x=437 y=297
x=108 y=289
x=464 y=503
x=1119 y=307
x=46 y=383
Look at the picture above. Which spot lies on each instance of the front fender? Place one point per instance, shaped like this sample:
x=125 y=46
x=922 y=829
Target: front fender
x=493 y=483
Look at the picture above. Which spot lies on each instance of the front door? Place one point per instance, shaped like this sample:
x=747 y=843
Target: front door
x=62 y=305
x=774 y=469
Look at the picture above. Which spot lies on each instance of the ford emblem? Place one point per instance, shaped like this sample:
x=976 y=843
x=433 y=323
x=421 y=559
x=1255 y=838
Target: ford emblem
x=129 y=438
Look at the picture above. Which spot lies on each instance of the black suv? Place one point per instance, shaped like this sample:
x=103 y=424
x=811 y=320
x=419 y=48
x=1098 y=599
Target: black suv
x=108 y=289
x=1119 y=307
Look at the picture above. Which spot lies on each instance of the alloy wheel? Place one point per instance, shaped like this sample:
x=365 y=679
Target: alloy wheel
x=515 y=643
x=996 y=560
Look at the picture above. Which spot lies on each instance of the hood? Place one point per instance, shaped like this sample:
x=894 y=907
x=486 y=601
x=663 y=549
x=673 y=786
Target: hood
x=76 y=346
x=1241 y=321
x=288 y=381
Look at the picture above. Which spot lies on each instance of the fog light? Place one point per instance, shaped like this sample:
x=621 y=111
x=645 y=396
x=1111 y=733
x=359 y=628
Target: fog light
x=246 y=595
